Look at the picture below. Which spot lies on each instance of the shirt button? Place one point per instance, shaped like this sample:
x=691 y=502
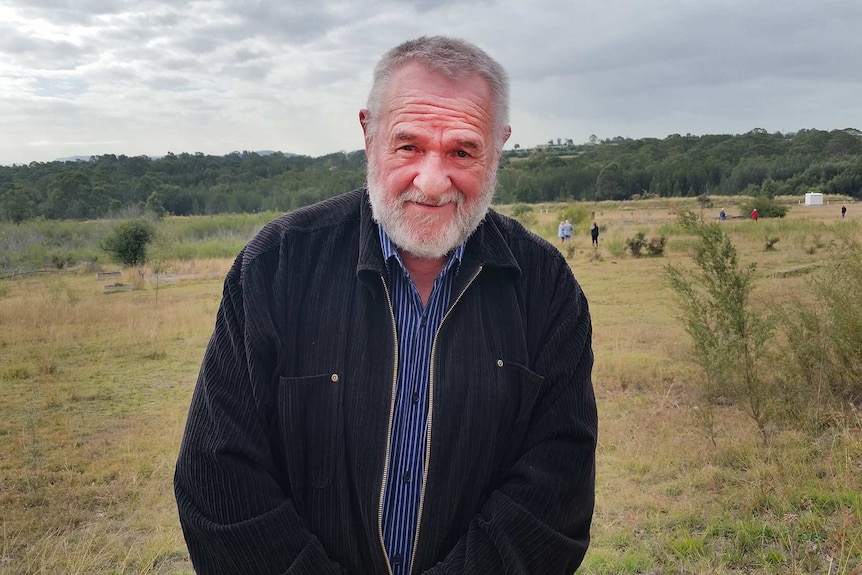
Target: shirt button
x=406 y=477
x=398 y=559
x=415 y=397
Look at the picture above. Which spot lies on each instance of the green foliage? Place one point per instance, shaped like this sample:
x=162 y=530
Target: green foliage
x=756 y=163
x=654 y=246
x=519 y=210
x=576 y=213
x=729 y=337
x=154 y=206
x=127 y=244
x=524 y=214
x=824 y=340
x=766 y=207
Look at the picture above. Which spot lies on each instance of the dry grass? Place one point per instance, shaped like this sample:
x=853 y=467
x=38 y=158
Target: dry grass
x=94 y=389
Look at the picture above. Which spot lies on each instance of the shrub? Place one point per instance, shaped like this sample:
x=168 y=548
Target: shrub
x=770 y=243
x=766 y=207
x=524 y=214
x=575 y=213
x=127 y=243
x=825 y=339
x=654 y=247
x=729 y=337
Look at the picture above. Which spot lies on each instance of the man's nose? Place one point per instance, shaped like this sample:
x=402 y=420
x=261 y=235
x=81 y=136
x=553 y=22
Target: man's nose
x=432 y=178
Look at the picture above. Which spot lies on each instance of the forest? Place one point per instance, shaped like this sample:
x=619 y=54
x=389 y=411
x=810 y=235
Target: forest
x=755 y=163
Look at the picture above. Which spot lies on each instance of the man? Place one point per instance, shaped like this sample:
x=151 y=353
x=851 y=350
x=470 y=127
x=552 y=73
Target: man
x=399 y=380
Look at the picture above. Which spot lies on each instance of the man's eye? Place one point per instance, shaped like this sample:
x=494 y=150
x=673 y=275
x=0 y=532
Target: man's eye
x=462 y=154
x=408 y=148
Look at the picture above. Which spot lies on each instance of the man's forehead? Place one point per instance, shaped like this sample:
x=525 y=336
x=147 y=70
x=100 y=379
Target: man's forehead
x=422 y=76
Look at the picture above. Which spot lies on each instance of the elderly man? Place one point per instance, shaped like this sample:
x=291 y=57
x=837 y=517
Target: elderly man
x=399 y=380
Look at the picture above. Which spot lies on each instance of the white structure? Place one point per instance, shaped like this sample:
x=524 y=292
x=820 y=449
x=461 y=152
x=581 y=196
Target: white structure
x=813 y=199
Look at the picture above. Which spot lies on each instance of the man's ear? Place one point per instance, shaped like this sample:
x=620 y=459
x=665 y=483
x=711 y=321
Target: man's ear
x=364 y=119
x=507 y=131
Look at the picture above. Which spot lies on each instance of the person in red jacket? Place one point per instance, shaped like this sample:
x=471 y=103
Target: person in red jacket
x=754 y=214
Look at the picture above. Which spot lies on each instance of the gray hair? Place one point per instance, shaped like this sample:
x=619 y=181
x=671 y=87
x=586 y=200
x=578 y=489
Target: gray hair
x=450 y=56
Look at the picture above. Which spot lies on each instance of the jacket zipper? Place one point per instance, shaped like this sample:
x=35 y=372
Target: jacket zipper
x=389 y=429
x=429 y=418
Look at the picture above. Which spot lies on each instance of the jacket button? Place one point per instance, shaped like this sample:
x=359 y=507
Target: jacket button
x=499 y=363
x=334 y=378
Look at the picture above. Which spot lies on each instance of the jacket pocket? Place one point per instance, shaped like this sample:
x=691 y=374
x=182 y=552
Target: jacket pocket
x=310 y=421
x=523 y=387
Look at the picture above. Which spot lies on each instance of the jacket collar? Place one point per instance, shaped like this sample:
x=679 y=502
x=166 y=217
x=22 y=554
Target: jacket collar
x=487 y=247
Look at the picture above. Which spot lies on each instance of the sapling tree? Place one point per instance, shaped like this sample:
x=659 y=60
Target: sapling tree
x=728 y=335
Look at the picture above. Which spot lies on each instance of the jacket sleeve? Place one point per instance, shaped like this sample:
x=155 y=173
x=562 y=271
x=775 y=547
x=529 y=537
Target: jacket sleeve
x=538 y=520
x=234 y=507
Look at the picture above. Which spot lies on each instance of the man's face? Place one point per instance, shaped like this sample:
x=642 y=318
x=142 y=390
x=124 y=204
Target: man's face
x=432 y=161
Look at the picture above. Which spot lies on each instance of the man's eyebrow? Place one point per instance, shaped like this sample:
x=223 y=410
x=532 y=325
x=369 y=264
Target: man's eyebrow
x=411 y=137
x=469 y=144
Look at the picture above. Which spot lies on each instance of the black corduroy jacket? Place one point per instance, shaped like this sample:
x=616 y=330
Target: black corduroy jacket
x=283 y=462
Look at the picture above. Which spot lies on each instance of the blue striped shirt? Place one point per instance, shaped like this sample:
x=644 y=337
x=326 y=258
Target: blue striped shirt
x=416 y=326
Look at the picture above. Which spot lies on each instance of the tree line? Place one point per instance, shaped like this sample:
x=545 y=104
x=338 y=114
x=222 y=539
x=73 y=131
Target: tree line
x=755 y=163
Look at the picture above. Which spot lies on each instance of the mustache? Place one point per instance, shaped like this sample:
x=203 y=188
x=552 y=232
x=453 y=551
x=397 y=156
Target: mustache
x=417 y=196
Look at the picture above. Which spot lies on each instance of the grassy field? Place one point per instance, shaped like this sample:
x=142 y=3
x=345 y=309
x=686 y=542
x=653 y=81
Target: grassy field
x=94 y=389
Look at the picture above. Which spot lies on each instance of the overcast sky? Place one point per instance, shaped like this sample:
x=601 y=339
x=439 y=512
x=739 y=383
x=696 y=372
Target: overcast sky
x=85 y=77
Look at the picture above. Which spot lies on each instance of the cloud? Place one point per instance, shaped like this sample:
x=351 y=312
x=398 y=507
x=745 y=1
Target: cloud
x=218 y=75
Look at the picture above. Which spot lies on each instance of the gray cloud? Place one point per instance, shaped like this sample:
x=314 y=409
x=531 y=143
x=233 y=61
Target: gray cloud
x=218 y=75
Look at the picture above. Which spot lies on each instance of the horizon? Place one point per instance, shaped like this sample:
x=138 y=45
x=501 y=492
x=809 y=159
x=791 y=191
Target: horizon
x=508 y=147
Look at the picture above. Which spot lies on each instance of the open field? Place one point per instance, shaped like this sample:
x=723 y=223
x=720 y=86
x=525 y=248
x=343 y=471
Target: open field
x=94 y=389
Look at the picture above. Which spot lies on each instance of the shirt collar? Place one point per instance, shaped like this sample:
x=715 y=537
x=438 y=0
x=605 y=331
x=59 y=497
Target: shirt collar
x=391 y=251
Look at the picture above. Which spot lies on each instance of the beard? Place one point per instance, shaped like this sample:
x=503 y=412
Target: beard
x=411 y=232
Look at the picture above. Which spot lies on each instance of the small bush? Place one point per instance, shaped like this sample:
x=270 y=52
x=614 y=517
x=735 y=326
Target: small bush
x=824 y=341
x=770 y=243
x=127 y=244
x=575 y=213
x=60 y=260
x=654 y=247
x=636 y=244
x=766 y=207
x=524 y=214
x=729 y=336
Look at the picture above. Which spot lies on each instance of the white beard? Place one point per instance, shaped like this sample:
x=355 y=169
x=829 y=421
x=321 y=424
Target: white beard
x=407 y=232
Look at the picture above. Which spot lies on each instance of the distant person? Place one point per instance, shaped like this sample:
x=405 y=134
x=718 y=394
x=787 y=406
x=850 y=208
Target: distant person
x=561 y=231
x=722 y=215
x=594 y=233
x=843 y=211
x=754 y=214
x=568 y=228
